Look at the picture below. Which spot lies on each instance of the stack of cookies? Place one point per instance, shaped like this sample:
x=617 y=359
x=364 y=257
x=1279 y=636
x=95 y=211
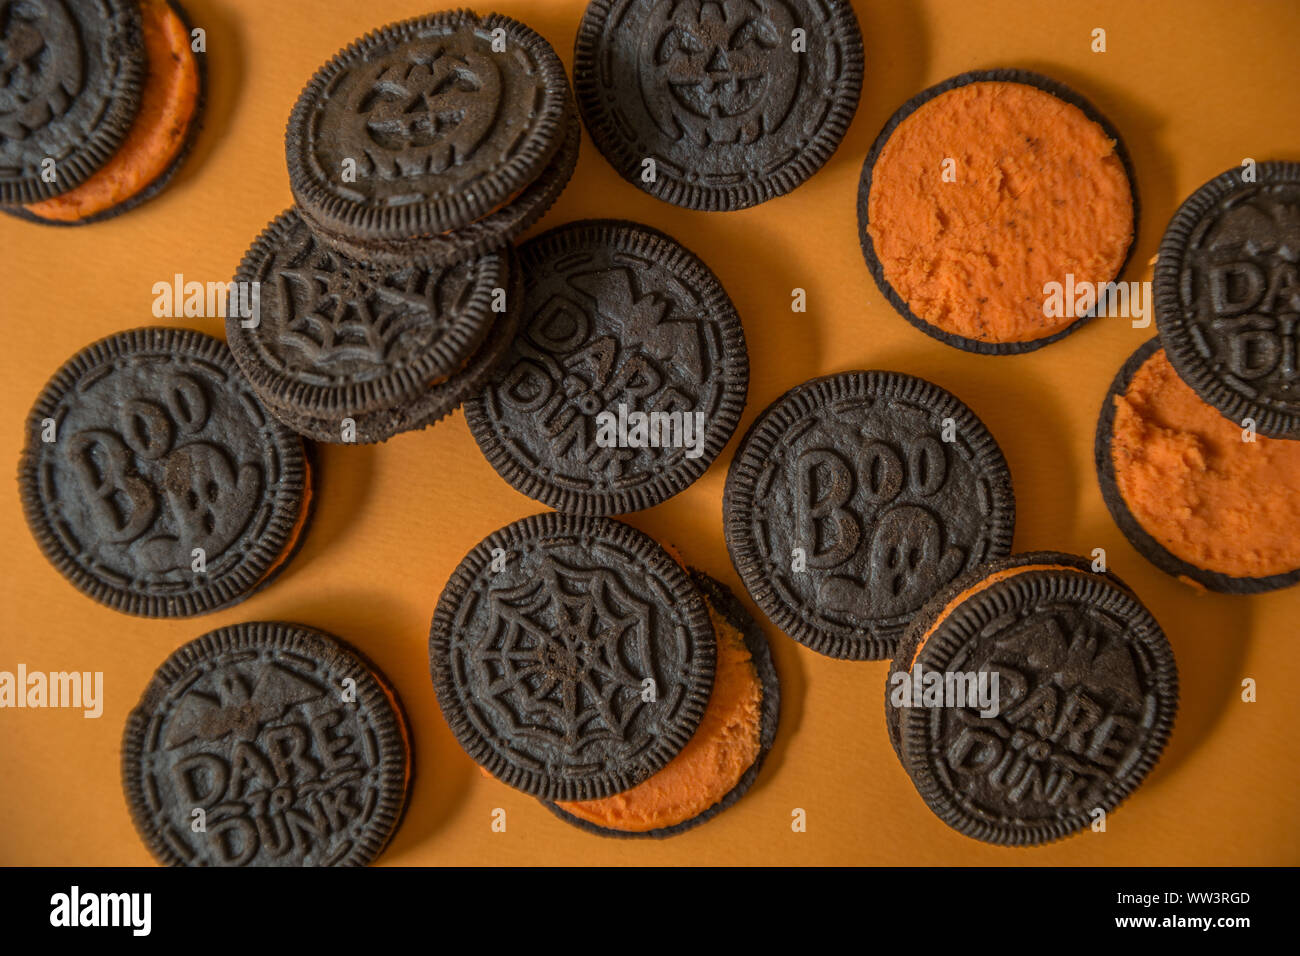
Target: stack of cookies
x=385 y=296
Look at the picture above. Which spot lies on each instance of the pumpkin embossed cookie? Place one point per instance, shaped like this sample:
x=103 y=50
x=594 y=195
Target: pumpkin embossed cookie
x=433 y=139
x=288 y=745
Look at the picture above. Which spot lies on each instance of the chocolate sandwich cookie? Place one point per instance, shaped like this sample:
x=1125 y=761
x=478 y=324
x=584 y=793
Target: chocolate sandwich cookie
x=853 y=498
x=572 y=656
x=111 y=93
x=267 y=744
x=156 y=482
x=718 y=105
x=984 y=190
x=627 y=378
x=440 y=395
x=336 y=338
x=1197 y=495
x=489 y=234
x=724 y=756
x=1075 y=691
x=425 y=127
x=1227 y=296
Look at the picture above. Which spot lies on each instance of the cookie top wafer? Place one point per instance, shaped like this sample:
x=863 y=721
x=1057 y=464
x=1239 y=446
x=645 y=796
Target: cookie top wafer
x=288 y=745
x=1227 y=296
x=853 y=498
x=425 y=125
x=155 y=481
x=572 y=656
x=1074 y=691
x=627 y=379
x=72 y=79
x=335 y=336
x=718 y=104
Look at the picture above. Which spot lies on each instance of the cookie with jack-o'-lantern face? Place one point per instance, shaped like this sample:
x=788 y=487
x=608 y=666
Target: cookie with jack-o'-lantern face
x=717 y=104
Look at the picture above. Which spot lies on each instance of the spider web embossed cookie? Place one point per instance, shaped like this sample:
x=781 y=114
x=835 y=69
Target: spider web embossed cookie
x=718 y=104
x=425 y=126
x=572 y=656
x=72 y=77
x=336 y=337
x=627 y=378
x=853 y=498
x=156 y=482
x=1075 y=692
x=289 y=747
x=1227 y=296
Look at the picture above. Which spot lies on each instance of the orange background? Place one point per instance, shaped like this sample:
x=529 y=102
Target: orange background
x=1194 y=87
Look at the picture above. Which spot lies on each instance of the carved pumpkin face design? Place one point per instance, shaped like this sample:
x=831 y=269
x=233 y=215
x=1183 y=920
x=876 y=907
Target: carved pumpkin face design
x=427 y=113
x=720 y=71
x=40 y=65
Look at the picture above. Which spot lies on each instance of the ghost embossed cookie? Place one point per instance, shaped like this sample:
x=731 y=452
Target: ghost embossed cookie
x=572 y=656
x=718 y=104
x=288 y=746
x=628 y=375
x=436 y=138
x=100 y=104
x=853 y=498
x=1030 y=695
x=156 y=482
x=1227 y=296
x=349 y=351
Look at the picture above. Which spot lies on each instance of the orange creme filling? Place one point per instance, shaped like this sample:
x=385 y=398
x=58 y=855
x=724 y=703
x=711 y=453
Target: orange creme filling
x=1039 y=193
x=1209 y=498
x=724 y=746
x=982 y=585
x=157 y=134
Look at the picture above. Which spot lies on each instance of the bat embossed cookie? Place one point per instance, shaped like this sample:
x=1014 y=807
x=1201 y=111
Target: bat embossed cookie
x=1029 y=697
x=853 y=498
x=434 y=139
x=287 y=746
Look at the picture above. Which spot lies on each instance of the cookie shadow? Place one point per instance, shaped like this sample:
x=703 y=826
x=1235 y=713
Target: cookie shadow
x=1139 y=128
x=1209 y=632
x=341 y=480
x=223 y=67
x=785 y=347
x=895 y=49
x=379 y=626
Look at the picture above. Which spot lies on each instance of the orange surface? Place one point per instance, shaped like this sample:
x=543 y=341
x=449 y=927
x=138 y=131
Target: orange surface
x=725 y=745
x=158 y=131
x=1034 y=191
x=1211 y=499
x=1194 y=86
